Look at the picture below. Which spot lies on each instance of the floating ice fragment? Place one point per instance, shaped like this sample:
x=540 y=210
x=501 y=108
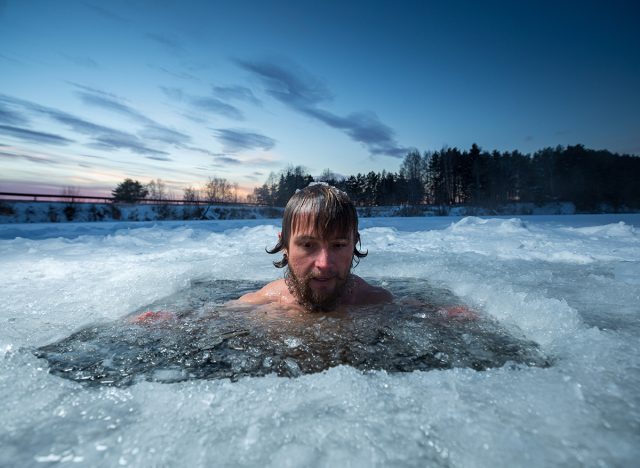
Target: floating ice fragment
x=292 y=342
x=292 y=367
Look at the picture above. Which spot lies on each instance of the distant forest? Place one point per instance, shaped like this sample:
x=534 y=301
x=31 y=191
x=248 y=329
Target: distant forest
x=588 y=178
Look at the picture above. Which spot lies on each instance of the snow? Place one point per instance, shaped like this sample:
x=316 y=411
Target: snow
x=569 y=283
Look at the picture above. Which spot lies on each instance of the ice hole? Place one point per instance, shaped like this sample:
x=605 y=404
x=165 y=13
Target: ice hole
x=197 y=334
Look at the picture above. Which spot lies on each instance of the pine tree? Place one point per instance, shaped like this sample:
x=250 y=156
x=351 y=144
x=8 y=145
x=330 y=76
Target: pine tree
x=129 y=191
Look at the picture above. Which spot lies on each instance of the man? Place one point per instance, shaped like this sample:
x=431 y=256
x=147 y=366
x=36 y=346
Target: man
x=319 y=242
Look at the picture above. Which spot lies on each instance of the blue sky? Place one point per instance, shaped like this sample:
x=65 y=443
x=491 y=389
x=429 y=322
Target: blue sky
x=92 y=92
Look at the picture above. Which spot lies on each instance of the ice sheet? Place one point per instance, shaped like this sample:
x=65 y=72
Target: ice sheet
x=568 y=283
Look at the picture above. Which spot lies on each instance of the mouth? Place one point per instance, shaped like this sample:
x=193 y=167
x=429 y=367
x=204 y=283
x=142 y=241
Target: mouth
x=322 y=279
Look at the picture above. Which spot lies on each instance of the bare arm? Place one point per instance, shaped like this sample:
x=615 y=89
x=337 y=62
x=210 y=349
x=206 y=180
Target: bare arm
x=276 y=291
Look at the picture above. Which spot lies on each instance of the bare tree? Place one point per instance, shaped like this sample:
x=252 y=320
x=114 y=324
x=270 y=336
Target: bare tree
x=71 y=192
x=157 y=189
x=217 y=189
x=191 y=195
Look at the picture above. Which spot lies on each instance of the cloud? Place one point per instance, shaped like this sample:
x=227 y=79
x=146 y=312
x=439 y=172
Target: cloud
x=97 y=98
x=175 y=74
x=111 y=142
x=203 y=151
x=11 y=117
x=228 y=160
x=31 y=158
x=216 y=106
x=254 y=176
x=239 y=93
x=86 y=62
x=164 y=134
x=11 y=60
x=204 y=103
x=262 y=162
x=176 y=94
x=106 y=13
x=289 y=84
x=304 y=93
x=103 y=137
x=235 y=140
x=159 y=158
x=152 y=130
x=169 y=43
x=32 y=136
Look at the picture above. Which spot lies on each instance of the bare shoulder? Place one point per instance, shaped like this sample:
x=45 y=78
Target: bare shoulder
x=365 y=293
x=275 y=291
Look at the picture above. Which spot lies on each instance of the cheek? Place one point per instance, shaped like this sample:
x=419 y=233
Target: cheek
x=345 y=257
x=297 y=258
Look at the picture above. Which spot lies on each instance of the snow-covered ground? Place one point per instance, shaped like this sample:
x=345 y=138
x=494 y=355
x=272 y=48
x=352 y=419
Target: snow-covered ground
x=569 y=283
x=12 y=211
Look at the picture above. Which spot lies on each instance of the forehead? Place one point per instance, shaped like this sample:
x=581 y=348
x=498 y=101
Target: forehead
x=310 y=226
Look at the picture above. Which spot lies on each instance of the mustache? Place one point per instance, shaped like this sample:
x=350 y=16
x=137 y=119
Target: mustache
x=318 y=275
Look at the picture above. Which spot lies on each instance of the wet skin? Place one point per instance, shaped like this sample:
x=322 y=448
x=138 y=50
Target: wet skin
x=323 y=264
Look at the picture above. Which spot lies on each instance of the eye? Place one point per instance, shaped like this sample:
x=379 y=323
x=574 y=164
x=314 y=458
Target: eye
x=306 y=244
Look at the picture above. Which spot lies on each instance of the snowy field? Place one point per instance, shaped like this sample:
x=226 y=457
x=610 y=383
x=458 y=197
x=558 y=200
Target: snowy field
x=569 y=283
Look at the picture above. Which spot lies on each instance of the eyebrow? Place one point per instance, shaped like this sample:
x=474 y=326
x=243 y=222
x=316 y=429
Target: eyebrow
x=313 y=238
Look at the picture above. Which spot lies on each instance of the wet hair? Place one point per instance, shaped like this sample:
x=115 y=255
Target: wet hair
x=324 y=208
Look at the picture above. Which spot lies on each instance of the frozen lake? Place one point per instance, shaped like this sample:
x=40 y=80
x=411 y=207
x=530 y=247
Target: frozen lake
x=568 y=284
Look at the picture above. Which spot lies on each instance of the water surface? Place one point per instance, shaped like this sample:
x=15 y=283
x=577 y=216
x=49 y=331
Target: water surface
x=207 y=337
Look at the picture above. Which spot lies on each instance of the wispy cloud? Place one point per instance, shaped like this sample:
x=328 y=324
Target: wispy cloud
x=111 y=102
x=97 y=98
x=265 y=162
x=238 y=93
x=234 y=140
x=204 y=103
x=211 y=104
x=176 y=94
x=170 y=43
x=228 y=160
x=254 y=176
x=102 y=137
x=106 y=13
x=32 y=136
x=176 y=74
x=164 y=134
x=86 y=62
x=11 y=60
x=304 y=93
x=159 y=157
x=8 y=116
x=28 y=157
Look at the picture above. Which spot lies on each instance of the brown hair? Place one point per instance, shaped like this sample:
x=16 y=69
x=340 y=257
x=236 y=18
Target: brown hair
x=324 y=207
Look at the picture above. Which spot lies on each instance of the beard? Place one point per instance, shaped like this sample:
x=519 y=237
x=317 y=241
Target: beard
x=314 y=300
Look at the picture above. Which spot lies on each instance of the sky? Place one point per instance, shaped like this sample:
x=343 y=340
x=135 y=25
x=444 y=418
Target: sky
x=94 y=92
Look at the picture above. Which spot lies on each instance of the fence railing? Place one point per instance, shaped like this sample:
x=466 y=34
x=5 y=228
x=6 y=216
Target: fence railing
x=43 y=197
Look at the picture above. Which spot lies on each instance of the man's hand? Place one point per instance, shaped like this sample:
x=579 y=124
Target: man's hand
x=458 y=312
x=149 y=317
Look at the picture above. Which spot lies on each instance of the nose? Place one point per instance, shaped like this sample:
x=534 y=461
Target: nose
x=324 y=258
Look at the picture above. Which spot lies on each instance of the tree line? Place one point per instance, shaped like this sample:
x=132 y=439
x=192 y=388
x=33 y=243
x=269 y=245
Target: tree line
x=215 y=190
x=586 y=177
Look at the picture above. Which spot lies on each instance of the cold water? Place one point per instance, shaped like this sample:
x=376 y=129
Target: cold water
x=198 y=335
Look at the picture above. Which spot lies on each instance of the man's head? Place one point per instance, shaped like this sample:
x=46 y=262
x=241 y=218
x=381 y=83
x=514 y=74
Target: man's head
x=319 y=243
